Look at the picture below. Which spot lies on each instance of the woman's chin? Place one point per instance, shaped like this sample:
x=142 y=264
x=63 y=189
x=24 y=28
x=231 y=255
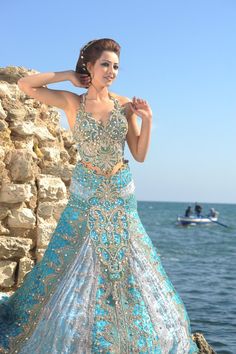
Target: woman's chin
x=107 y=84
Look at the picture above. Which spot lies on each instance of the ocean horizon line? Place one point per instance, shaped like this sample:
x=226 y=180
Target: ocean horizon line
x=186 y=202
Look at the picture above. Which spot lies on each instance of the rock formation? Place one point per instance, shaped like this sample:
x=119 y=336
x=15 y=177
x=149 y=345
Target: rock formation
x=204 y=347
x=37 y=158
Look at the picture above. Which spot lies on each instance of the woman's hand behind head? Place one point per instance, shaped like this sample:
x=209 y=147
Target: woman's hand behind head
x=80 y=80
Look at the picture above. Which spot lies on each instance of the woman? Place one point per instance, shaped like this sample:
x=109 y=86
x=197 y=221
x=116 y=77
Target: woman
x=100 y=286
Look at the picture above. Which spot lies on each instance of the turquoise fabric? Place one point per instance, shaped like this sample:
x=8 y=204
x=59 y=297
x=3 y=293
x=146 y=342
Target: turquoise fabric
x=100 y=286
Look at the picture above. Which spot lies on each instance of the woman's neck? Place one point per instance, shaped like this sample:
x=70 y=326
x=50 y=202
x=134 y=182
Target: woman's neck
x=94 y=94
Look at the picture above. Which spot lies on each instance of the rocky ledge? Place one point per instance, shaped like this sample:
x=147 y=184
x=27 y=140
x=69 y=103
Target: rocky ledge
x=37 y=158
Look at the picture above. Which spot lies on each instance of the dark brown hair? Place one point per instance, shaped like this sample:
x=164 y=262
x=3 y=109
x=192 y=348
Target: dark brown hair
x=93 y=52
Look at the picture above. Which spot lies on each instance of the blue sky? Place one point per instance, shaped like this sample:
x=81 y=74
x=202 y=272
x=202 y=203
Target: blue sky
x=178 y=55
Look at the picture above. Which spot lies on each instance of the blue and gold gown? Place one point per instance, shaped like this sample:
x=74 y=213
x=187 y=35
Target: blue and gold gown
x=100 y=286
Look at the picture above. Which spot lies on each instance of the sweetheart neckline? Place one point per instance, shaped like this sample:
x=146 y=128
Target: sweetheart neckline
x=117 y=108
x=99 y=121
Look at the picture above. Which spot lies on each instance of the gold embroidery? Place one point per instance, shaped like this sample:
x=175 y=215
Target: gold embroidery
x=44 y=282
x=101 y=145
x=117 y=322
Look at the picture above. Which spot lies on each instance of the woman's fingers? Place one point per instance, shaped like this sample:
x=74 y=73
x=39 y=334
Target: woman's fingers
x=85 y=78
x=134 y=102
x=138 y=101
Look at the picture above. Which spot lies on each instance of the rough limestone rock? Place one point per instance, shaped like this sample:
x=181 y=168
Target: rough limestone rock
x=202 y=344
x=7 y=272
x=37 y=158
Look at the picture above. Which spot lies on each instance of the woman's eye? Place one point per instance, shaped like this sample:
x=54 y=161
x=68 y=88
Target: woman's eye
x=116 y=67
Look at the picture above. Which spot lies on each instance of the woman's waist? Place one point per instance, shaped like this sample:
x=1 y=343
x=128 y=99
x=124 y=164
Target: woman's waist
x=85 y=181
x=106 y=171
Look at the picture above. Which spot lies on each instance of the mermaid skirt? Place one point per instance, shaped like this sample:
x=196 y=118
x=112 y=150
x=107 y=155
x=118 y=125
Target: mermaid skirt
x=100 y=286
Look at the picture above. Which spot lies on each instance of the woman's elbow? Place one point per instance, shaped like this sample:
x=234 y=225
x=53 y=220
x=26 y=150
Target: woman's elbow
x=139 y=158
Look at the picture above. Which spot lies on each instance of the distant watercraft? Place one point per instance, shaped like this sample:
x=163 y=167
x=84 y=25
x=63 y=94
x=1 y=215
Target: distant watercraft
x=194 y=219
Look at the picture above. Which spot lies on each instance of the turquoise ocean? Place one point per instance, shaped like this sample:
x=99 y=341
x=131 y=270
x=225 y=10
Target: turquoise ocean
x=201 y=263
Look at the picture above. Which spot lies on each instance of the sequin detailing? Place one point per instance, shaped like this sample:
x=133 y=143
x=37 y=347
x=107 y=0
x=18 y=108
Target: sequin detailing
x=102 y=144
x=100 y=287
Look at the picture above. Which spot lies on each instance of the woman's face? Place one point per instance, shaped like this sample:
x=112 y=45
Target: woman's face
x=105 y=68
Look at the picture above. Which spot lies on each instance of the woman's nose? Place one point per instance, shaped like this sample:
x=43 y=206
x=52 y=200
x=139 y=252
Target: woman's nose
x=111 y=70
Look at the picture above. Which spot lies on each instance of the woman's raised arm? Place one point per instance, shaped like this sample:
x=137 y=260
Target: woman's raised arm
x=33 y=85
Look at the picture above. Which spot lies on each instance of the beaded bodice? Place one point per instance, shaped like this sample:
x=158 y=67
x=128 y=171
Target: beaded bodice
x=101 y=143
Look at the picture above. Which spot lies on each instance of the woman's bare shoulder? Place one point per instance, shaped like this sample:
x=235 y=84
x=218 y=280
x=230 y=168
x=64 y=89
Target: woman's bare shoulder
x=122 y=99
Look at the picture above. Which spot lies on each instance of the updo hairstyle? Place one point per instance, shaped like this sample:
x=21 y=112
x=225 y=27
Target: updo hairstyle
x=92 y=51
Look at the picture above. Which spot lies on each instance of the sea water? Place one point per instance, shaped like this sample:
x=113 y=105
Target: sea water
x=201 y=263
